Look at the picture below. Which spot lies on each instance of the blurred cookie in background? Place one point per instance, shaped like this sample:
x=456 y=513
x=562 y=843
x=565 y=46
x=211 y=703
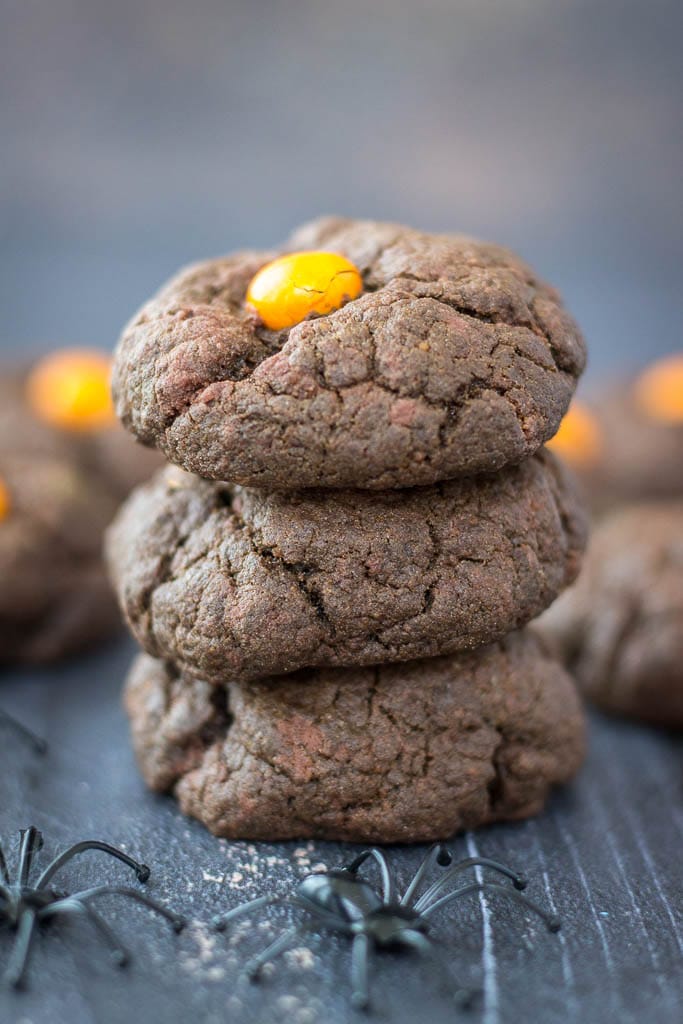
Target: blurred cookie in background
x=54 y=597
x=65 y=465
x=61 y=407
x=619 y=629
x=627 y=444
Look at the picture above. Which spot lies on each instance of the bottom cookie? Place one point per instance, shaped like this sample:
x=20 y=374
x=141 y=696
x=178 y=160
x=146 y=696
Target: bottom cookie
x=620 y=627
x=392 y=753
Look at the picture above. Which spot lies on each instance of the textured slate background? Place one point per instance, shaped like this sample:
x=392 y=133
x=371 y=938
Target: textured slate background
x=606 y=855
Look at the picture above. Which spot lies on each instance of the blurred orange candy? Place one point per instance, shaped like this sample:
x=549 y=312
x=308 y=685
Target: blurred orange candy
x=659 y=390
x=579 y=439
x=5 y=503
x=285 y=291
x=70 y=389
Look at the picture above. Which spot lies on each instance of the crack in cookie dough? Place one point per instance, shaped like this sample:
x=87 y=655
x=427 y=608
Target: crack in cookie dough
x=232 y=580
x=400 y=753
x=454 y=360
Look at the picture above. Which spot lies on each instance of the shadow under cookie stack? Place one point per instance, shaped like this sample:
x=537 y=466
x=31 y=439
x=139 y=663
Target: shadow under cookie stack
x=332 y=589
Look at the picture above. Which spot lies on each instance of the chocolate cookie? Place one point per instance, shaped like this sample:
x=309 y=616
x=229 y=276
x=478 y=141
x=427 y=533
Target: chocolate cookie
x=59 y=489
x=240 y=582
x=453 y=359
x=620 y=628
x=109 y=454
x=627 y=444
x=54 y=594
x=396 y=753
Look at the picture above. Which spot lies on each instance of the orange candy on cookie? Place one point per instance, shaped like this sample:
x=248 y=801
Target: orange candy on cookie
x=579 y=439
x=70 y=389
x=288 y=289
x=5 y=503
x=658 y=392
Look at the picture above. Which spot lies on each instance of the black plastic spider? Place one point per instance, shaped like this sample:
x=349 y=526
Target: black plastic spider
x=343 y=902
x=23 y=905
x=38 y=744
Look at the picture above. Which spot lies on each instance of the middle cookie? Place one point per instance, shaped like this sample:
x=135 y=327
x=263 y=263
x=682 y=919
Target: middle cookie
x=227 y=581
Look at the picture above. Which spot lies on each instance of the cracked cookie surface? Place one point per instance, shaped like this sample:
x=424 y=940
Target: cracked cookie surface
x=455 y=359
x=235 y=581
x=395 y=753
x=620 y=628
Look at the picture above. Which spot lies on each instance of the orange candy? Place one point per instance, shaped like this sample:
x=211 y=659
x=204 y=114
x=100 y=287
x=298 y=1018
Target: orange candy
x=70 y=389
x=579 y=440
x=5 y=503
x=658 y=391
x=284 y=292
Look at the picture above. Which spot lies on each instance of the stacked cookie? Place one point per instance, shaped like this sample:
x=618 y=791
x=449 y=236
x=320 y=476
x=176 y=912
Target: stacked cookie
x=334 y=637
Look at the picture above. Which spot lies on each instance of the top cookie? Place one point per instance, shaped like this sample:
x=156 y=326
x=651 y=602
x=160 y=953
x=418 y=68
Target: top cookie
x=454 y=359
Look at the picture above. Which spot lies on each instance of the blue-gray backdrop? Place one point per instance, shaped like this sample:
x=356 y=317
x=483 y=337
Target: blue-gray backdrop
x=141 y=134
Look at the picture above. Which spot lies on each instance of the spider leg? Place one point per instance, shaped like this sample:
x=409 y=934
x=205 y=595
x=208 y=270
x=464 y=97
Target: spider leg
x=220 y=921
x=360 y=959
x=141 y=870
x=4 y=873
x=381 y=861
x=31 y=842
x=38 y=744
x=73 y=905
x=120 y=954
x=519 y=881
x=435 y=854
x=14 y=974
x=552 y=922
x=177 y=922
x=273 y=949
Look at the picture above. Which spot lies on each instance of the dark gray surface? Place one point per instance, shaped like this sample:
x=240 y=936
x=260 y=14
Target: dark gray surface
x=606 y=854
